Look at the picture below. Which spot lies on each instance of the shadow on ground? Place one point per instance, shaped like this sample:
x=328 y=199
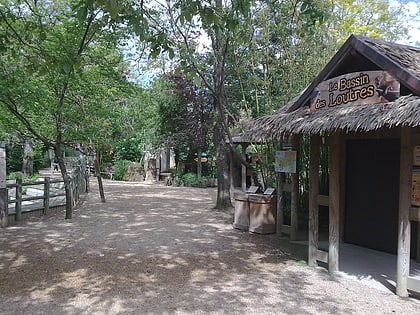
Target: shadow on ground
x=155 y=249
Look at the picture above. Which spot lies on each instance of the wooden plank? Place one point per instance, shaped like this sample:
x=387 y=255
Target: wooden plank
x=294 y=203
x=322 y=256
x=415 y=214
x=286 y=229
x=413 y=284
x=403 y=250
x=323 y=200
x=243 y=169
x=334 y=209
x=280 y=192
x=314 y=200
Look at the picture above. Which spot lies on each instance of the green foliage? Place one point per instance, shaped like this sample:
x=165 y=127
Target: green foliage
x=128 y=148
x=120 y=167
x=190 y=179
x=14 y=158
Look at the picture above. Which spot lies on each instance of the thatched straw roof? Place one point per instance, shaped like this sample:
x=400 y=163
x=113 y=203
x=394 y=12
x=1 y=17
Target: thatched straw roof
x=357 y=54
x=352 y=118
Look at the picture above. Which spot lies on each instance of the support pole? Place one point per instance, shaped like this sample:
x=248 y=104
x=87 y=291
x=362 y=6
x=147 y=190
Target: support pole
x=404 y=233
x=313 y=200
x=294 y=207
x=243 y=168
x=334 y=197
x=280 y=192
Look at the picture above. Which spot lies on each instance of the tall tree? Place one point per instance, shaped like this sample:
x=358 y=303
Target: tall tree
x=58 y=69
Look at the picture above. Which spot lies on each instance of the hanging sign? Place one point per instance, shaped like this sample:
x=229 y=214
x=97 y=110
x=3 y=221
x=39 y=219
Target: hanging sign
x=285 y=162
x=367 y=87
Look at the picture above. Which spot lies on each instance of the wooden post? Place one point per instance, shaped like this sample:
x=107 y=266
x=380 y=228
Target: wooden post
x=280 y=192
x=4 y=212
x=47 y=186
x=232 y=187
x=403 y=251
x=243 y=168
x=18 y=206
x=313 y=200
x=294 y=218
x=334 y=201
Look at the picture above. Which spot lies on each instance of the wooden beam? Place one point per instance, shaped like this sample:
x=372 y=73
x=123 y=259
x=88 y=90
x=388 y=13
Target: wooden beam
x=294 y=217
x=413 y=284
x=322 y=256
x=403 y=251
x=323 y=200
x=415 y=214
x=243 y=168
x=335 y=157
x=280 y=192
x=313 y=200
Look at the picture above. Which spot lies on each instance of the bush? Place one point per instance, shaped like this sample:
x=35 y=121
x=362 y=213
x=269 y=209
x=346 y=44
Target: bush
x=120 y=167
x=190 y=179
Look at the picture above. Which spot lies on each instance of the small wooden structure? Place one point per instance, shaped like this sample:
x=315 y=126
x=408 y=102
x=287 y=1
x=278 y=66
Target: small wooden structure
x=365 y=107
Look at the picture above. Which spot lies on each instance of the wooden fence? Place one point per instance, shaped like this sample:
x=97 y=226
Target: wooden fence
x=48 y=195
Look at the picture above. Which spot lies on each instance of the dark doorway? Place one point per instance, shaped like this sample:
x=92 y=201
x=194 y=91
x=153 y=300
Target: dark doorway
x=372 y=193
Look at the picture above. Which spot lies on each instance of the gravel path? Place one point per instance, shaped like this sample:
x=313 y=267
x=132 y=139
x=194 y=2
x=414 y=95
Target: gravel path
x=152 y=249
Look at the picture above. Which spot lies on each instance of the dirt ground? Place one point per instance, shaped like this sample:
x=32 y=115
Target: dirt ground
x=152 y=249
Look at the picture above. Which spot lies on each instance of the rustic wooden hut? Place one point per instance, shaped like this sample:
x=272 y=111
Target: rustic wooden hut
x=365 y=106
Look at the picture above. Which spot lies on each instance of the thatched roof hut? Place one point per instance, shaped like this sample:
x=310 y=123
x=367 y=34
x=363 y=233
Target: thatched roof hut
x=365 y=106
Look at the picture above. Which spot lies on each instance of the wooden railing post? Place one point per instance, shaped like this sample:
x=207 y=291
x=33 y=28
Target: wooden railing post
x=47 y=187
x=4 y=207
x=18 y=205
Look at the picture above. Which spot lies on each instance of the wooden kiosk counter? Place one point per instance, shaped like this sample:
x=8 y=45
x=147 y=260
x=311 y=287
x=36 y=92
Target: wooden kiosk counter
x=365 y=106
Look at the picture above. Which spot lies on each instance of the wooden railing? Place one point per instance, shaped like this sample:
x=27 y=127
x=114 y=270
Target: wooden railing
x=49 y=194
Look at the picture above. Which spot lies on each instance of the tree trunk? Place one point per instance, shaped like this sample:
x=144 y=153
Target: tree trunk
x=28 y=158
x=99 y=177
x=67 y=183
x=223 y=178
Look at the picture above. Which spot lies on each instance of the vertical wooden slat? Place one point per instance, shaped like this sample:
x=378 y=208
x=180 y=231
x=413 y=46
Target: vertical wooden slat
x=280 y=192
x=313 y=200
x=334 y=200
x=403 y=251
x=243 y=168
x=294 y=214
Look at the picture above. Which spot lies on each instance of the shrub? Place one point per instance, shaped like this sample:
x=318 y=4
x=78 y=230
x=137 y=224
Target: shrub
x=120 y=167
x=190 y=179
